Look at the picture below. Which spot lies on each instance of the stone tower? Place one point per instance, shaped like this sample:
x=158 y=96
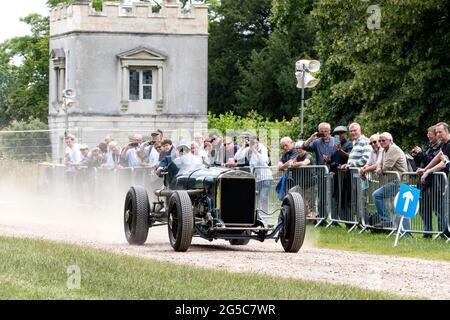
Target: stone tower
x=134 y=68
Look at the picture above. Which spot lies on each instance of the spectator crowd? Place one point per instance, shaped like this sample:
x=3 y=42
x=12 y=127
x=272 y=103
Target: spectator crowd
x=334 y=149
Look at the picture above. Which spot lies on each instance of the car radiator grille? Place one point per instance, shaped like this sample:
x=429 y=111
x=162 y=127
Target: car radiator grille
x=237 y=201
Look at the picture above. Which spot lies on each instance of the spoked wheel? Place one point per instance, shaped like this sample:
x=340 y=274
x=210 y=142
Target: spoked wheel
x=293 y=232
x=180 y=221
x=136 y=216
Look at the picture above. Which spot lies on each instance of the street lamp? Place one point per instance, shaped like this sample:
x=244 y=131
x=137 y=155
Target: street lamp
x=305 y=80
x=68 y=96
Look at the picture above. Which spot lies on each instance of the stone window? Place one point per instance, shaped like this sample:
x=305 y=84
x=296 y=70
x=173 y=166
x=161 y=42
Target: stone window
x=141 y=84
x=142 y=73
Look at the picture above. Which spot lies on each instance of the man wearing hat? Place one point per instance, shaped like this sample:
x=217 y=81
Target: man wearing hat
x=157 y=135
x=342 y=146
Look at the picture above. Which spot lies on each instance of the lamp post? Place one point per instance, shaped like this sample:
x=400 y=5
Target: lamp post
x=305 y=80
x=68 y=97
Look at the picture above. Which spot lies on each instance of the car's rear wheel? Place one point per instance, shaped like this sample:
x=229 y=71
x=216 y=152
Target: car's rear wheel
x=136 y=216
x=294 y=222
x=180 y=221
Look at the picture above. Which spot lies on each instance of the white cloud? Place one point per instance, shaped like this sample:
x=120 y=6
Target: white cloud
x=10 y=13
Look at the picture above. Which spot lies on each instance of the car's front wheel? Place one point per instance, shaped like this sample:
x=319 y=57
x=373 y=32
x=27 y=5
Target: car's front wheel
x=136 y=212
x=294 y=222
x=180 y=221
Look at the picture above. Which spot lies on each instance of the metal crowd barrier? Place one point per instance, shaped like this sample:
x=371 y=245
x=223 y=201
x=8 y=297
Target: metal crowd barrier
x=432 y=218
x=266 y=196
x=346 y=198
x=341 y=198
x=386 y=186
x=313 y=184
x=91 y=185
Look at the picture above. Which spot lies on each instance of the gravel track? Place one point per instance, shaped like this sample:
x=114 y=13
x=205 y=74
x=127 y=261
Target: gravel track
x=101 y=227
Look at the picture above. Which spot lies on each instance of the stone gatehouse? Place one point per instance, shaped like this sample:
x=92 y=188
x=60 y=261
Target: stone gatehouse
x=134 y=67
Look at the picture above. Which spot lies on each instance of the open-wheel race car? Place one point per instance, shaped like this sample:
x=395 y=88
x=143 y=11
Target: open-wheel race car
x=212 y=203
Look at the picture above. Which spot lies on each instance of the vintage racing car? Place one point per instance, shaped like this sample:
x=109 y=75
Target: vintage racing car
x=212 y=203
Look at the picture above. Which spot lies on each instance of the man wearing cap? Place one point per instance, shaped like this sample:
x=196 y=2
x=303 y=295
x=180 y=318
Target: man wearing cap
x=342 y=147
x=84 y=149
x=157 y=135
x=151 y=154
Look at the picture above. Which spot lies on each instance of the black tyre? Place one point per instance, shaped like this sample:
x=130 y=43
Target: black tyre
x=180 y=221
x=294 y=222
x=136 y=216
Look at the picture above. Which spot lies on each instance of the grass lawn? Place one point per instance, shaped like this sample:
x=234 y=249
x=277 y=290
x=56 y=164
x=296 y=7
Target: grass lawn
x=35 y=269
x=373 y=243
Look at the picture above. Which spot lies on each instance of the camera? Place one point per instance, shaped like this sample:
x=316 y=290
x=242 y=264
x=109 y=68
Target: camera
x=320 y=135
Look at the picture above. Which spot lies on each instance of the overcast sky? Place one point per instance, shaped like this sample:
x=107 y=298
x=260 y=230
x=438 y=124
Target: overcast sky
x=10 y=13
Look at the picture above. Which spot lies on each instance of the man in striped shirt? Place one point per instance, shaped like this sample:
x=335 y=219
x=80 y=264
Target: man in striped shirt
x=358 y=157
x=360 y=153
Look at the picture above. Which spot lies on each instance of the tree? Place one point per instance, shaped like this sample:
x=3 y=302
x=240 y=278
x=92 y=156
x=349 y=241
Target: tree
x=238 y=28
x=388 y=79
x=269 y=83
x=24 y=73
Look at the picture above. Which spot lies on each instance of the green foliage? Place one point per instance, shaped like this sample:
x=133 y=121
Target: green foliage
x=238 y=28
x=269 y=131
x=54 y=3
x=24 y=84
x=25 y=141
x=389 y=79
x=269 y=83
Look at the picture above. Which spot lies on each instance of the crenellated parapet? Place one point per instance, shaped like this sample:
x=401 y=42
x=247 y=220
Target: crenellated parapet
x=136 y=17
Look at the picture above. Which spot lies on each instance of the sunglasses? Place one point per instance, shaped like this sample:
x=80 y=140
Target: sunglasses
x=373 y=142
x=382 y=140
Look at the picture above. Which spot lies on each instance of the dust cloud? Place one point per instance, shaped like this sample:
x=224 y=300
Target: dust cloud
x=32 y=207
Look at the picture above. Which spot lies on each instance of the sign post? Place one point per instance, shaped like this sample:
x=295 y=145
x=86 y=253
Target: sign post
x=406 y=205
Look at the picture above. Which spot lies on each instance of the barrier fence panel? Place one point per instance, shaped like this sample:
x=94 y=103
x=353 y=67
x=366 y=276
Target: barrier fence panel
x=368 y=209
x=432 y=217
x=31 y=145
x=267 y=201
x=448 y=207
x=312 y=183
x=345 y=198
x=124 y=180
x=51 y=180
x=380 y=196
